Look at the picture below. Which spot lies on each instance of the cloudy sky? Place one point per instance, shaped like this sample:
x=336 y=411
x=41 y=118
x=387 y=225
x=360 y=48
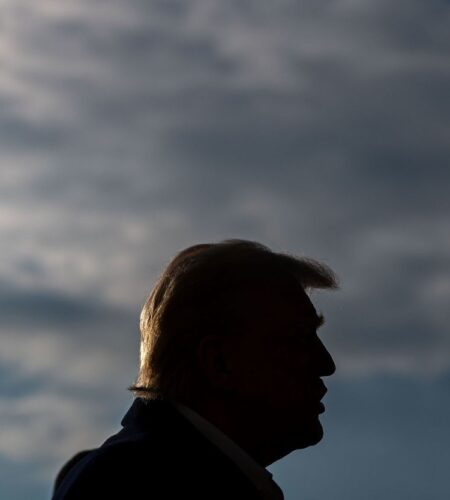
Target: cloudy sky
x=131 y=129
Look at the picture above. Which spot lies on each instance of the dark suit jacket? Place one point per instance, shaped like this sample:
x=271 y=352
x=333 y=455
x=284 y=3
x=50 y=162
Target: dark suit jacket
x=157 y=455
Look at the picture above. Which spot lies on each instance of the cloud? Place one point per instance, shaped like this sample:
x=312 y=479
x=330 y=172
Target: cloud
x=130 y=130
x=67 y=340
x=309 y=126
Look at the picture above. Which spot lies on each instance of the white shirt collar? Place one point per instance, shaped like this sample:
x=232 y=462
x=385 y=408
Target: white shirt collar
x=261 y=477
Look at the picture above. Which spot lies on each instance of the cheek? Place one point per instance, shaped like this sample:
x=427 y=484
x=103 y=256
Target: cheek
x=275 y=373
x=277 y=379
x=291 y=375
x=258 y=376
x=291 y=391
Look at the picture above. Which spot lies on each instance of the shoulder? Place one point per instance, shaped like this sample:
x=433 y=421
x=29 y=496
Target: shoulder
x=161 y=453
x=129 y=469
x=115 y=470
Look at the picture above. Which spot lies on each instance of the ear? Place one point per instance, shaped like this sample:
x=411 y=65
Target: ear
x=214 y=361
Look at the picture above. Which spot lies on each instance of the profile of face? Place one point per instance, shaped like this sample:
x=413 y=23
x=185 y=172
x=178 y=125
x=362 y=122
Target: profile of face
x=276 y=369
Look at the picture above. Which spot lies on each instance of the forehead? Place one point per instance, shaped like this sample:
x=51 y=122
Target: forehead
x=281 y=306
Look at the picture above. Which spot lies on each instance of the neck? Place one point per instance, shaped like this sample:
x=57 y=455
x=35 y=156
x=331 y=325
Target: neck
x=247 y=431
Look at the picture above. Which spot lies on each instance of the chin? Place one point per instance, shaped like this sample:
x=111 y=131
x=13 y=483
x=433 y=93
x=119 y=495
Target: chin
x=317 y=435
x=310 y=434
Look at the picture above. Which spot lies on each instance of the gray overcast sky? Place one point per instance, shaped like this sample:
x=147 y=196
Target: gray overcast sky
x=129 y=130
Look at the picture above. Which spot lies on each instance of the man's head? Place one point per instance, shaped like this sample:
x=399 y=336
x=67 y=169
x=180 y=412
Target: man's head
x=230 y=330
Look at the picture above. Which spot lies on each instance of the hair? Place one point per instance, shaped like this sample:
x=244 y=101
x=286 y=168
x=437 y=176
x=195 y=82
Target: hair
x=206 y=289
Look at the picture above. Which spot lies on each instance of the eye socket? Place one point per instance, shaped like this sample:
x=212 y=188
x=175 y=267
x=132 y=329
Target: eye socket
x=303 y=338
x=305 y=329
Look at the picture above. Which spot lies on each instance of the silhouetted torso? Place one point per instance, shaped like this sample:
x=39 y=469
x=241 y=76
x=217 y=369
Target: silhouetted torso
x=158 y=454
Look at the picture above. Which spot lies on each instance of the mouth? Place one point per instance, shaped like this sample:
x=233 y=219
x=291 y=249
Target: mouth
x=322 y=392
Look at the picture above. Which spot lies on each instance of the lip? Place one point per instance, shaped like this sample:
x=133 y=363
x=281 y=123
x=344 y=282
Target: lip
x=322 y=390
x=321 y=393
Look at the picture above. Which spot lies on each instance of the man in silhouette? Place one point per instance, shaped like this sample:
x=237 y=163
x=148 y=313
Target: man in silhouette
x=230 y=380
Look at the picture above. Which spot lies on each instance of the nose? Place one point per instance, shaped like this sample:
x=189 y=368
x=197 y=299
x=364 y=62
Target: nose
x=325 y=362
